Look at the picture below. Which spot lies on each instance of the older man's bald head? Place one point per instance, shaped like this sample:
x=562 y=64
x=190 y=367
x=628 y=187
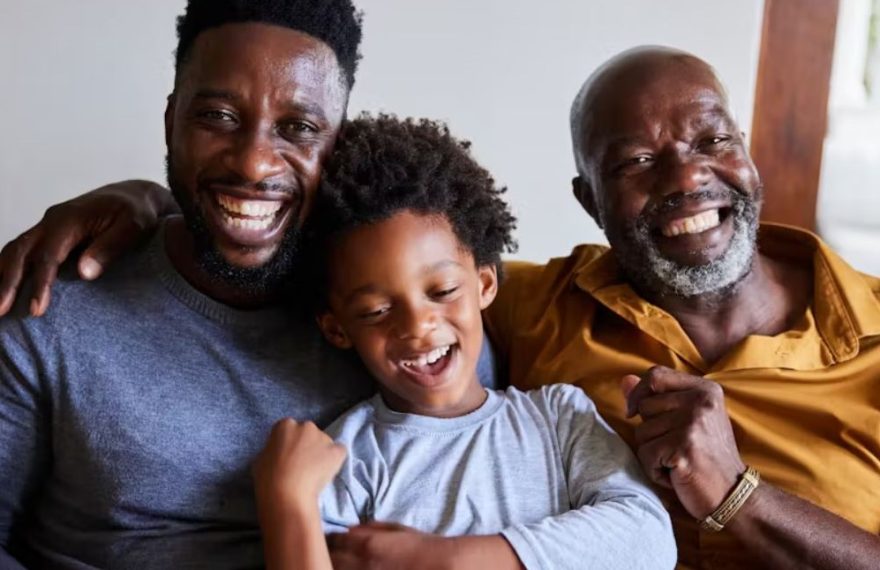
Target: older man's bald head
x=610 y=88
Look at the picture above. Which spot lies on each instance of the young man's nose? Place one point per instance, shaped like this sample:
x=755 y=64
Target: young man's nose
x=255 y=157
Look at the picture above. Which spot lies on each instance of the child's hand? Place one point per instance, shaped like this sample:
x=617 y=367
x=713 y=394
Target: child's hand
x=298 y=461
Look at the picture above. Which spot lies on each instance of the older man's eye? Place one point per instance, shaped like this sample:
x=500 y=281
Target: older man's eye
x=633 y=163
x=714 y=142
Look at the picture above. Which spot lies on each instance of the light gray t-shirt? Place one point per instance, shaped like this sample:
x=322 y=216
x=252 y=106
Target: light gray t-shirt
x=541 y=467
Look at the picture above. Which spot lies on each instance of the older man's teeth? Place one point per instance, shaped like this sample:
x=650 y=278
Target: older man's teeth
x=428 y=358
x=252 y=208
x=692 y=225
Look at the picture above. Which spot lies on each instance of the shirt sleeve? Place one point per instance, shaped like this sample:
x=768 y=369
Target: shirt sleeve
x=24 y=443
x=339 y=507
x=616 y=520
x=499 y=315
x=348 y=499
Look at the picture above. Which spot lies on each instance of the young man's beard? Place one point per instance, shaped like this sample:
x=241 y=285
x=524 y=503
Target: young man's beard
x=652 y=273
x=267 y=280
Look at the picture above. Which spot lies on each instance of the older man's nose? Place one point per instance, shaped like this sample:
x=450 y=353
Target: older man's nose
x=685 y=174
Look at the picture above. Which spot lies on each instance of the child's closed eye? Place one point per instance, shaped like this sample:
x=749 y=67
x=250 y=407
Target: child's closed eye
x=446 y=292
x=373 y=313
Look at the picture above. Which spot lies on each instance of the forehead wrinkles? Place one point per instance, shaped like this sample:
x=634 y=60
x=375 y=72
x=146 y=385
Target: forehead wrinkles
x=644 y=117
x=252 y=58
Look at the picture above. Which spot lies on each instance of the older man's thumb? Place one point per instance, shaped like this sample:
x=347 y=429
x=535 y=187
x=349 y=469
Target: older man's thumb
x=627 y=385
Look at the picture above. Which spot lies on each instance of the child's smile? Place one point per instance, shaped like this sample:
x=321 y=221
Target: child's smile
x=430 y=368
x=407 y=296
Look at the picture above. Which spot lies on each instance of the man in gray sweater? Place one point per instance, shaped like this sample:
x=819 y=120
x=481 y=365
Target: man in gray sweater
x=131 y=411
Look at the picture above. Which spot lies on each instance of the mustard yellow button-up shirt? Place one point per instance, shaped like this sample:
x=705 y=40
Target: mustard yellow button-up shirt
x=804 y=404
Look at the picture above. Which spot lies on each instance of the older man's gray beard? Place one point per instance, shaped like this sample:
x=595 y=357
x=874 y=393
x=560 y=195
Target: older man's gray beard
x=649 y=271
x=267 y=280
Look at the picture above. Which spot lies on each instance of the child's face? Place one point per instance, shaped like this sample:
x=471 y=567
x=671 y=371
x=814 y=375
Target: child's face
x=408 y=297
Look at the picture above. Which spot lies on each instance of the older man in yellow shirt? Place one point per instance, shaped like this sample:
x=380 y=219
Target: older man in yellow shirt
x=753 y=347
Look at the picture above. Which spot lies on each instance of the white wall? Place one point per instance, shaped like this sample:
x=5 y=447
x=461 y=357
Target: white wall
x=84 y=87
x=848 y=209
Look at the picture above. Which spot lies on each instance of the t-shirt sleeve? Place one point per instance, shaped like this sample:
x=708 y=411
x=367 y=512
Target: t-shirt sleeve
x=340 y=508
x=616 y=520
x=347 y=501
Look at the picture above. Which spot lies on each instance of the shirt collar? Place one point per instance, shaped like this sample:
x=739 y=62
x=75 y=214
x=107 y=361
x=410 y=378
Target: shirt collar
x=845 y=308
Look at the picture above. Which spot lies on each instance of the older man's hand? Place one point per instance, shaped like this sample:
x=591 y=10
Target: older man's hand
x=685 y=440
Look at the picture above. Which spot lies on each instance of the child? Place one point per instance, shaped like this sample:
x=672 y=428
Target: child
x=411 y=233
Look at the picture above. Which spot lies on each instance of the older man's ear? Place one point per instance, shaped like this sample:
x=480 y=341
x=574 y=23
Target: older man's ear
x=583 y=192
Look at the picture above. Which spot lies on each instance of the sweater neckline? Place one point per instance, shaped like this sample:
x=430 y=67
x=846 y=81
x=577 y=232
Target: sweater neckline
x=180 y=288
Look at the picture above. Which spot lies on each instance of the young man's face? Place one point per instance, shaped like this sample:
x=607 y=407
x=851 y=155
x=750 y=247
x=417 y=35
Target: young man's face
x=408 y=296
x=255 y=112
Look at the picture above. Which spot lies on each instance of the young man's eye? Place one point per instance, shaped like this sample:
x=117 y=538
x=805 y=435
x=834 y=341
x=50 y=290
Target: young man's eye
x=217 y=115
x=296 y=129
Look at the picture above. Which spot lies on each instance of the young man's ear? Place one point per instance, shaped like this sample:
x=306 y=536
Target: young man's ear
x=169 y=120
x=488 y=284
x=583 y=192
x=332 y=330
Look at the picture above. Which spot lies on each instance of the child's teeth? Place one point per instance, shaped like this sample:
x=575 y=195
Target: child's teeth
x=429 y=358
x=437 y=354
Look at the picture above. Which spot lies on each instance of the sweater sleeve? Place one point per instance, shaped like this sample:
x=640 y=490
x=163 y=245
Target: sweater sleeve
x=616 y=520
x=24 y=438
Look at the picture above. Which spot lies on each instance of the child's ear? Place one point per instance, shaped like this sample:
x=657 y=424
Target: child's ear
x=333 y=331
x=488 y=284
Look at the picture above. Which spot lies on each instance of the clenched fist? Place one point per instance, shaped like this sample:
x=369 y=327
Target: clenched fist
x=685 y=440
x=298 y=461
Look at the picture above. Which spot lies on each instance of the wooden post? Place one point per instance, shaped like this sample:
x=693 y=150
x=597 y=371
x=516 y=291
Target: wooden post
x=791 y=106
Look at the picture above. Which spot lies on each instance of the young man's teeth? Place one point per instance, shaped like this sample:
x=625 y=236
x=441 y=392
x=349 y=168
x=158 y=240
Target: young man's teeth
x=429 y=358
x=255 y=208
x=248 y=223
x=692 y=225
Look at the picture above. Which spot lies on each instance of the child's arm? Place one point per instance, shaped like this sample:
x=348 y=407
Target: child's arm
x=298 y=461
x=616 y=520
x=390 y=545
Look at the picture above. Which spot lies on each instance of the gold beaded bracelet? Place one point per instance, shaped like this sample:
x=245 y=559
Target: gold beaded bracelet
x=734 y=501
